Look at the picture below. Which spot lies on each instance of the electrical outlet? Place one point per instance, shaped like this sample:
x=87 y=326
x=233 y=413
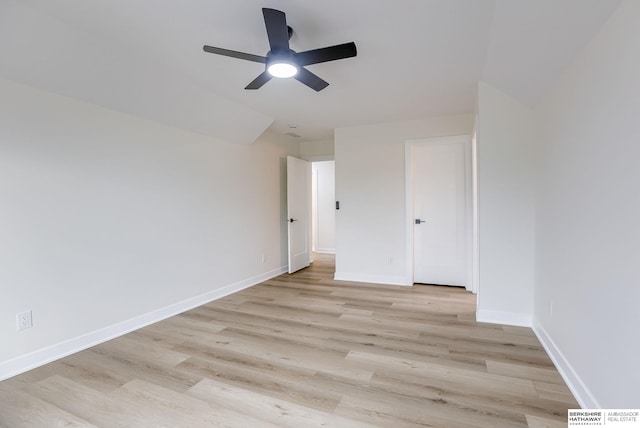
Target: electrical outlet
x=264 y=259
x=551 y=308
x=24 y=320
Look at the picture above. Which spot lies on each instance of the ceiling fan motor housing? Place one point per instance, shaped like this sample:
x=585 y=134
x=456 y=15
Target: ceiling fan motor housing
x=281 y=58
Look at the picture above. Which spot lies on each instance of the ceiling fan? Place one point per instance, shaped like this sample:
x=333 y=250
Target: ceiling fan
x=283 y=62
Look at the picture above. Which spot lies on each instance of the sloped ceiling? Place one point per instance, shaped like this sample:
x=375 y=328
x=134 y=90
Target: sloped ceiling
x=416 y=58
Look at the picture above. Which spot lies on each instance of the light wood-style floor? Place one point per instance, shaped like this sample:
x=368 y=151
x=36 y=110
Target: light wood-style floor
x=303 y=350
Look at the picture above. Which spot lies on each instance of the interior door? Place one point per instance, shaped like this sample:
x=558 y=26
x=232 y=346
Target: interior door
x=439 y=207
x=299 y=212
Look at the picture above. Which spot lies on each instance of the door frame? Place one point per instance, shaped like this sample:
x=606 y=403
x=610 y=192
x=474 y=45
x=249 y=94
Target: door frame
x=470 y=209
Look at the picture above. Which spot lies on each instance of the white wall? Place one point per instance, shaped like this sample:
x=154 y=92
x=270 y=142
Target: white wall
x=506 y=191
x=108 y=221
x=587 y=219
x=370 y=185
x=324 y=206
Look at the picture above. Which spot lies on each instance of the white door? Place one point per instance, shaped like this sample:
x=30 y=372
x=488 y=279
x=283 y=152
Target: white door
x=299 y=212
x=440 y=213
x=323 y=195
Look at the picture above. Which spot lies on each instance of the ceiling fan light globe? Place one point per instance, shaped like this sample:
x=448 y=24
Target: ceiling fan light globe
x=282 y=70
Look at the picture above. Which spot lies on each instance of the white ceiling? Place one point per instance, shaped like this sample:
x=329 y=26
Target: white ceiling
x=416 y=58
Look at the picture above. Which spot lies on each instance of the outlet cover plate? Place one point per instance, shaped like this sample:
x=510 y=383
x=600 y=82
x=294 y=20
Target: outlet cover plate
x=24 y=320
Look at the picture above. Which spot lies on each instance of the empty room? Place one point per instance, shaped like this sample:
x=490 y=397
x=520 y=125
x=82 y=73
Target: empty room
x=302 y=213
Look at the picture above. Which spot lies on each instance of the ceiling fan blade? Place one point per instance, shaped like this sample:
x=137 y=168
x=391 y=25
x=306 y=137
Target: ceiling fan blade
x=276 y=23
x=310 y=79
x=259 y=81
x=234 y=54
x=330 y=53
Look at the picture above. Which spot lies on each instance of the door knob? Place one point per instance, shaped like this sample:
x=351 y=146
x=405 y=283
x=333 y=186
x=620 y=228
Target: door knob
x=291 y=220
x=418 y=221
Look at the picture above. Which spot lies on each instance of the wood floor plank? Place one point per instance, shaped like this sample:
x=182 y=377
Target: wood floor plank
x=81 y=367
x=169 y=408
x=430 y=371
x=283 y=384
x=538 y=422
x=18 y=408
x=136 y=368
x=283 y=413
x=152 y=352
x=304 y=350
x=524 y=371
x=556 y=391
x=80 y=400
x=406 y=412
x=482 y=400
x=503 y=351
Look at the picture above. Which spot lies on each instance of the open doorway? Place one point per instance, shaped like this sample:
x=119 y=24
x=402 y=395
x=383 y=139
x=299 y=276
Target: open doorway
x=323 y=207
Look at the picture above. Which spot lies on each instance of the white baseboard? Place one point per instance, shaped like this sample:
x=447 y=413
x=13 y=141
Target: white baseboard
x=583 y=396
x=507 y=318
x=326 y=250
x=376 y=279
x=51 y=353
